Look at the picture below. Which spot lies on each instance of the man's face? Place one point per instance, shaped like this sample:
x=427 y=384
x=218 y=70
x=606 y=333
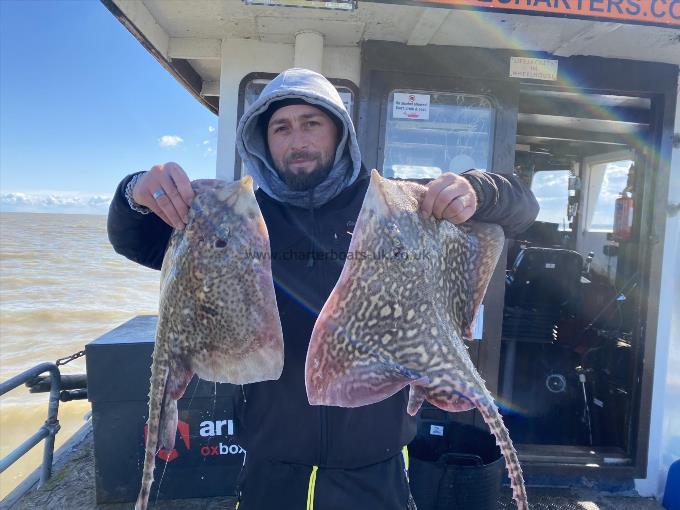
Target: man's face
x=302 y=141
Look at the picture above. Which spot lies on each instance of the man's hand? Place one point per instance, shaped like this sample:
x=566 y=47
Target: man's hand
x=166 y=190
x=449 y=197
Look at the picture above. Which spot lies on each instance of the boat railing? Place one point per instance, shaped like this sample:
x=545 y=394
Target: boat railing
x=48 y=430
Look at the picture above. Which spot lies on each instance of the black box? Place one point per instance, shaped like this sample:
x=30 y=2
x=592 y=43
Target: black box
x=206 y=459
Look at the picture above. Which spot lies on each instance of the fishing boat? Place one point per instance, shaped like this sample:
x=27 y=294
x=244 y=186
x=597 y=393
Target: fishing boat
x=580 y=329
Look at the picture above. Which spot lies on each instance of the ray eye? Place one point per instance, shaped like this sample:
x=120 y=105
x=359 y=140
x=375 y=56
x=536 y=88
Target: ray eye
x=220 y=243
x=399 y=253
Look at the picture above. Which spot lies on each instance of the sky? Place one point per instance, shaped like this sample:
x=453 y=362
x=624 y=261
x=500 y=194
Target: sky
x=82 y=104
x=552 y=192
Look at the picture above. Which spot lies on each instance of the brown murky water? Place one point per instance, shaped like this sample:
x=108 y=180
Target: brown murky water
x=61 y=286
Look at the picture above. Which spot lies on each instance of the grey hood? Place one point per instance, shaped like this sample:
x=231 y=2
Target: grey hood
x=316 y=90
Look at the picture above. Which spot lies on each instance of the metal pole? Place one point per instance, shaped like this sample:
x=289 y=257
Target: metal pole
x=51 y=426
x=24 y=447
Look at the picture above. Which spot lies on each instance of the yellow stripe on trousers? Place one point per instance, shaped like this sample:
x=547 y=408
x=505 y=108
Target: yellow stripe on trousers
x=312 y=480
x=310 y=490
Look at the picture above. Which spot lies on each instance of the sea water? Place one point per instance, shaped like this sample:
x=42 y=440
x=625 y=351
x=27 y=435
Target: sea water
x=61 y=286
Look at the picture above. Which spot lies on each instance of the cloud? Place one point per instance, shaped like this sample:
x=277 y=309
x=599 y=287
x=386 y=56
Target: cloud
x=55 y=202
x=209 y=144
x=169 y=141
x=615 y=180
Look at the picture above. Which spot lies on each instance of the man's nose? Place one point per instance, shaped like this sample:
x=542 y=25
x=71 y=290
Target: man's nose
x=299 y=139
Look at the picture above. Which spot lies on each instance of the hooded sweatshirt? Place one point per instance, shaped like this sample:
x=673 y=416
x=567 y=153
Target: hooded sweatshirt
x=250 y=140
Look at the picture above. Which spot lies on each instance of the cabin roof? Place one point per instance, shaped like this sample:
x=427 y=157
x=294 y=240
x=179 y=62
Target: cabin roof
x=185 y=35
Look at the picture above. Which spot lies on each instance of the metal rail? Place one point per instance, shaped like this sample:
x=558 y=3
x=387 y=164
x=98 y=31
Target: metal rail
x=49 y=429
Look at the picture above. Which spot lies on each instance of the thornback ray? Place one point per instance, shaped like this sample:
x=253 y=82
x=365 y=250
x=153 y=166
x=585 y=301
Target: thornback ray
x=218 y=317
x=406 y=299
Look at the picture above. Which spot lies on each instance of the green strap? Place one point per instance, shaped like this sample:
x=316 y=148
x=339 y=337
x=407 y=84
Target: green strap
x=310 y=490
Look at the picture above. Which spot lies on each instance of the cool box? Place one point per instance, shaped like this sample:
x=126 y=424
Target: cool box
x=207 y=457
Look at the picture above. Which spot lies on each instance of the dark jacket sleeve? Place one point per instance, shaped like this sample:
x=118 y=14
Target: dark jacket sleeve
x=504 y=200
x=142 y=238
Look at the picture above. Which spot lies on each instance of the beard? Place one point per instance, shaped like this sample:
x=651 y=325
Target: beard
x=301 y=180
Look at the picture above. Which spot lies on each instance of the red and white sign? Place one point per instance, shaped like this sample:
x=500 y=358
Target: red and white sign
x=411 y=106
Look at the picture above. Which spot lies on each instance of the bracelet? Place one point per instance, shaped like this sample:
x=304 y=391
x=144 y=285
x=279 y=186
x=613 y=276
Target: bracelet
x=128 y=194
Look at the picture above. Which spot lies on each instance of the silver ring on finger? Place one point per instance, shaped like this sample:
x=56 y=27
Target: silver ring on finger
x=158 y=194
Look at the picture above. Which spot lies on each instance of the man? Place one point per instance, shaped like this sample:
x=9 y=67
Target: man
x=298 y=142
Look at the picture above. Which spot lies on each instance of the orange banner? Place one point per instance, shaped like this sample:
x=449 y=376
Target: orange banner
x=648 y=12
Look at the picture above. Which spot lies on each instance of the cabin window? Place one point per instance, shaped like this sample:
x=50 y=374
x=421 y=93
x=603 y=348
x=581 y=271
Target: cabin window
x=254 y=88
x=428 y=133
x=607 y=182
x=551 y=188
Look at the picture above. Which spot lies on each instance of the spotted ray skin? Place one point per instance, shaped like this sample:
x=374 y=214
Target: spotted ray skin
x=406 y=298
x=217 y=313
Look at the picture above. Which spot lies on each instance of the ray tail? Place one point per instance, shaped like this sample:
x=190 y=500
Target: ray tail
x=159 y=375
x=492 y=417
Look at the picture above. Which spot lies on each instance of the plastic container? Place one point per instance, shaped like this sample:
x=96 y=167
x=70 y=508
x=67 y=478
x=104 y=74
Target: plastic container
x=206 y=459
x=671 y=497
x=455 y=467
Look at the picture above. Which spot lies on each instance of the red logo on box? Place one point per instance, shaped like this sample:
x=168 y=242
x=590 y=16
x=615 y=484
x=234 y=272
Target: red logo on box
x=169 y=456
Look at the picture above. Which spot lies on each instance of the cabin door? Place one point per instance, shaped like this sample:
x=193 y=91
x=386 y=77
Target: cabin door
x=571 y=316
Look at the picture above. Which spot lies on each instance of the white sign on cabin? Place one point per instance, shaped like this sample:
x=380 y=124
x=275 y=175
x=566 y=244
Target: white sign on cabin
x=411 y=106
x=533 y=68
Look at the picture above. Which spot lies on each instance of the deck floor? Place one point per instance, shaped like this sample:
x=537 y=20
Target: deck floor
x=72 y=487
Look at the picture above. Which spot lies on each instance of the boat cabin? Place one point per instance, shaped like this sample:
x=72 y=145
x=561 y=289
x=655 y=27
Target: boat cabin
x=581 y=328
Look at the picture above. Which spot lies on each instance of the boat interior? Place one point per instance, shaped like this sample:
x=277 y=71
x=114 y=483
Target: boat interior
x=572 y=284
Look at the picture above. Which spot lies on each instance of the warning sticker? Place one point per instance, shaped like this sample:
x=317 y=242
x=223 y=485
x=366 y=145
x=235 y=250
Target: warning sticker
x=533 y=68
x=411 y=106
